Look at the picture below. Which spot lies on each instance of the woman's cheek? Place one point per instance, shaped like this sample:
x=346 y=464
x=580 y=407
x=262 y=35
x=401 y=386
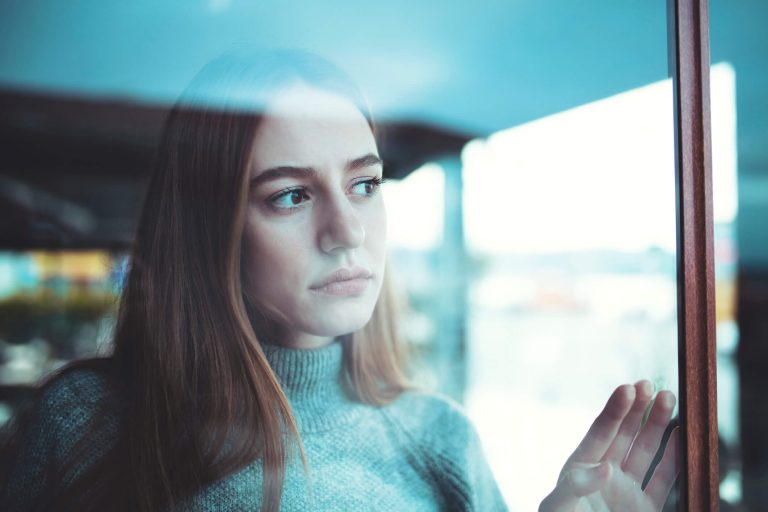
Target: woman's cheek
x=376 y=228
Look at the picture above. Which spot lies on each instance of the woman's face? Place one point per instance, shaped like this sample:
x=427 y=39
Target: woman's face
x=314 y=236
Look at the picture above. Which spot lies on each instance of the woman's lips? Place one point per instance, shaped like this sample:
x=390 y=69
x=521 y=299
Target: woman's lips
x=345 y=288
x=344 y=282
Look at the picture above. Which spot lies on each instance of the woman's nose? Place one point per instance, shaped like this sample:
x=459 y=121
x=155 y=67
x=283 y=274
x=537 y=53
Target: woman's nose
x=341 y=227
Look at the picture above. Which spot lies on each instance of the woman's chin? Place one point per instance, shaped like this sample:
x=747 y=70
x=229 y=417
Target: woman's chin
x=341 y=327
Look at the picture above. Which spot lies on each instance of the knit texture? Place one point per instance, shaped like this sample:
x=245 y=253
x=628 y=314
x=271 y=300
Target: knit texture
x=419 y=453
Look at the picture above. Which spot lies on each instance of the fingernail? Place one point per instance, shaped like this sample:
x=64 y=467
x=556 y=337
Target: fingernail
x=646 y=387
x=668 y=400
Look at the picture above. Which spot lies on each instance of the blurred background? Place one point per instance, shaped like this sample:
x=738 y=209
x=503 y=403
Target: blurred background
x=528 y=148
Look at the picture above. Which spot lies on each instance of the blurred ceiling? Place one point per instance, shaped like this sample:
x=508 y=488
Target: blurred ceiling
x=454 y=69
x=480 y=67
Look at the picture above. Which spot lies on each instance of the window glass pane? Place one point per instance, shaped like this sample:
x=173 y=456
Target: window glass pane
x=528 y=152
x=576 y=291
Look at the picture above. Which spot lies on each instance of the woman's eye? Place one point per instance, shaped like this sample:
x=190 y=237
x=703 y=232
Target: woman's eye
x=289 y=199
x=367 y=187
x=293 y=198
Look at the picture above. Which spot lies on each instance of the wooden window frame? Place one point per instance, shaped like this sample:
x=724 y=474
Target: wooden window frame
x=689 y=65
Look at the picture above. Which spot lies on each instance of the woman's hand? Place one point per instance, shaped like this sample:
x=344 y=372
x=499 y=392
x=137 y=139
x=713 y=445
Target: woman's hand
x=606 y=471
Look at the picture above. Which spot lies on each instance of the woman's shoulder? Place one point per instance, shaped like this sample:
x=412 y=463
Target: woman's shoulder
x=68 y=401
x=66 y=410
x=448 y=449
x=420 y=405
x=432 y=419
x=80 y=385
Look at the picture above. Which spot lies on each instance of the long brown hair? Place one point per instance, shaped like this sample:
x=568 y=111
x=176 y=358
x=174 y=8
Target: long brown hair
x=198 y=397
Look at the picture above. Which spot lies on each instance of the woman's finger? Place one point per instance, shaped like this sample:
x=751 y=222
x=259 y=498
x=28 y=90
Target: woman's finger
x=631 y=424
x=603 y=430
x=574 y=484
x=647 y=443
x=666 y=472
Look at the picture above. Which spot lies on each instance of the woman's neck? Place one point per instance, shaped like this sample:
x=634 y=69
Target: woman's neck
x=306 y=341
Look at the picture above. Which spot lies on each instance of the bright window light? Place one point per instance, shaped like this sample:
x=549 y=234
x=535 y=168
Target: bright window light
x=415 y=209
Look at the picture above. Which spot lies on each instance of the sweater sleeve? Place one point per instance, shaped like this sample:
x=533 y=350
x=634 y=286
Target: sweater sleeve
x=449 y=450
x=58 y=420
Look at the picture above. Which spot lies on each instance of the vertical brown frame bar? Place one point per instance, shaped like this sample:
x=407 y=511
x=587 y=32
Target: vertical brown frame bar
x=689 y=51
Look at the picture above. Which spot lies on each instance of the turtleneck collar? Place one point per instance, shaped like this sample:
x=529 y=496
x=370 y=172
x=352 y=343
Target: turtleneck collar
x=312 y=381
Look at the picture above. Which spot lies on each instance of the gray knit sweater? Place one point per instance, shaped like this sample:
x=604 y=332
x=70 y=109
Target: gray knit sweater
x=419 y=453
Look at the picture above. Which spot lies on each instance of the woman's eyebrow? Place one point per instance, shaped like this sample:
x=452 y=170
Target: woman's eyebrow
x=282 y=171
x=291 y=171
x=362 y=162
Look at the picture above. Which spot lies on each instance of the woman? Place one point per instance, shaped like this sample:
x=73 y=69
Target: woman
x=256 y=359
